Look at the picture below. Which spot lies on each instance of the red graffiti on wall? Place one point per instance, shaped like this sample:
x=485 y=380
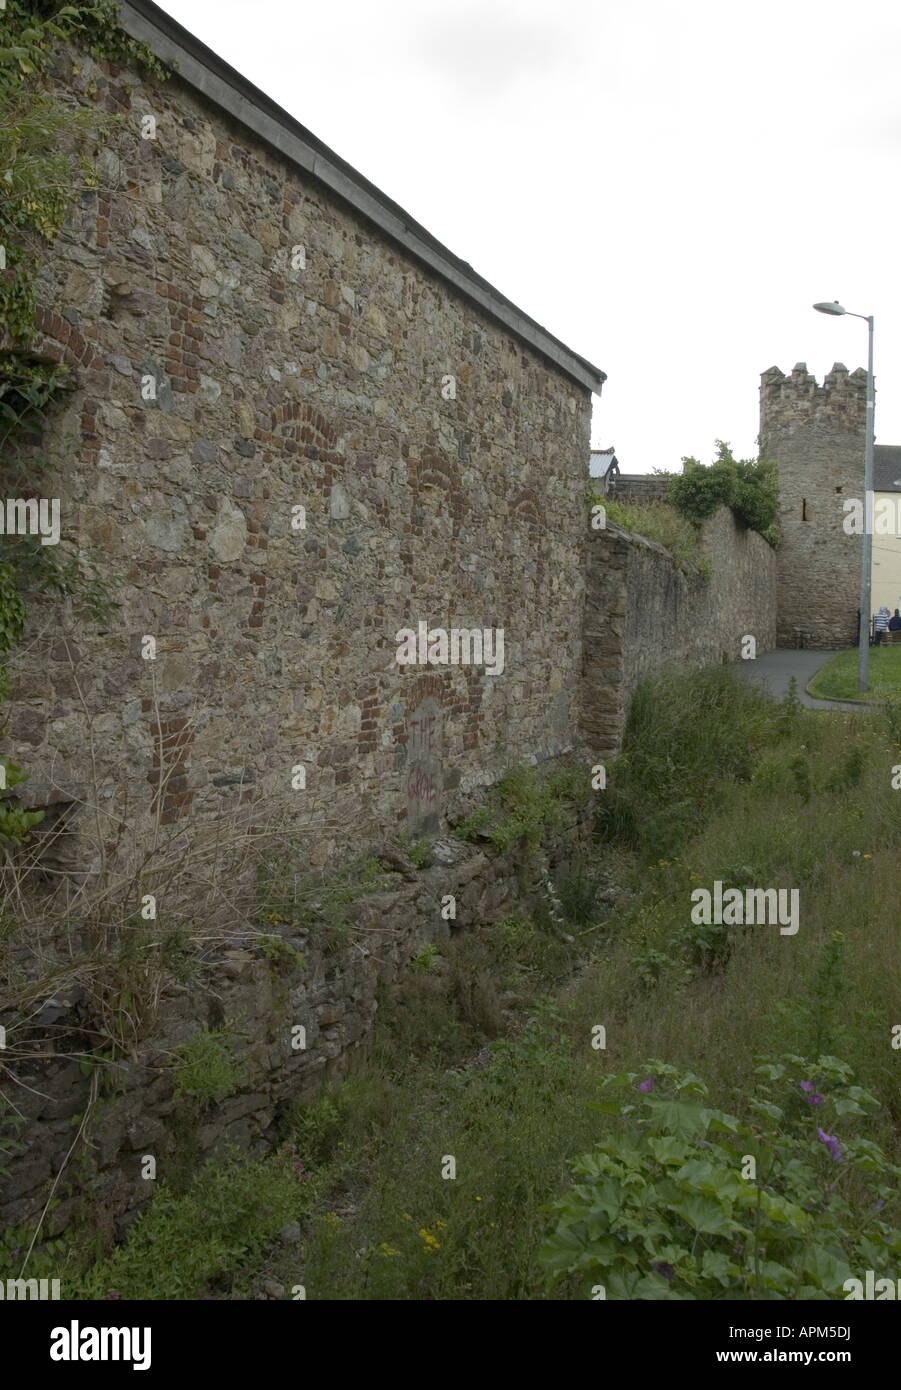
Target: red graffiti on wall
x=422 y=786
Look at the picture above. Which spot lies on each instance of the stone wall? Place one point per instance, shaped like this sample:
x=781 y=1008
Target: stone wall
x=639 y=487
x=816 y=434
x=643 y=614
x=245 y=344
x=292 y=434
x=332 y=996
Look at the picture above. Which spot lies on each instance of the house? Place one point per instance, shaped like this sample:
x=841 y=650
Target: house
x=604 y=464
x=886 y=571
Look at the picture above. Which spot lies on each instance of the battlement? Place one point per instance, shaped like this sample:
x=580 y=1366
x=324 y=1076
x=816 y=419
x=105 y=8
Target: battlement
x=840 y=402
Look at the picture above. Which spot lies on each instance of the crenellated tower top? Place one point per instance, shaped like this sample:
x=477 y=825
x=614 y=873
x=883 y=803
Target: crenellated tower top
x=798 y=399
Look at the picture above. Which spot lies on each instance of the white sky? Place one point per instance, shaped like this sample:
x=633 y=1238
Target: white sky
x=667 y=187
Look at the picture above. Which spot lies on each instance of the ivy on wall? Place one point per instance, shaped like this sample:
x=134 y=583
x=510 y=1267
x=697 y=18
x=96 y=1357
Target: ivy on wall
x=45 y=163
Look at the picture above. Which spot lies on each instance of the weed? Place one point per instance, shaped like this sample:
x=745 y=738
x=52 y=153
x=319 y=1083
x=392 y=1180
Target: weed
x=425 y=959
x=205 y=1066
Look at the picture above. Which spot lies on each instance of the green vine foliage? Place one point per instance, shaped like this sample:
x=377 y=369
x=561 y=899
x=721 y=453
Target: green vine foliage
x=44 y=166
x=749 y=486
x=43 y=140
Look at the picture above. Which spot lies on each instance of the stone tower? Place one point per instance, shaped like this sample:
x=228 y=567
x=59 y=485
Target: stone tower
x=816 y=434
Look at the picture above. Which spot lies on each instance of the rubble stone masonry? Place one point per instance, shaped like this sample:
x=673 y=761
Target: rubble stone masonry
x=816 y=434
x=245 y=345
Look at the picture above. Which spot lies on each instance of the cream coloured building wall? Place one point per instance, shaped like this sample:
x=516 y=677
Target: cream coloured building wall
x=886 y=574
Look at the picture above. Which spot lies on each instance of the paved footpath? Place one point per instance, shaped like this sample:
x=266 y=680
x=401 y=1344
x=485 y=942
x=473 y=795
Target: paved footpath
x=774 y=670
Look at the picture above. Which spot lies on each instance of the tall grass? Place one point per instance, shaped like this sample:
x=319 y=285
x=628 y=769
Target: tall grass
x=486 y=1056
x=660 y=522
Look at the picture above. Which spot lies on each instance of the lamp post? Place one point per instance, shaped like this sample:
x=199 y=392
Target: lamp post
x=863 y=667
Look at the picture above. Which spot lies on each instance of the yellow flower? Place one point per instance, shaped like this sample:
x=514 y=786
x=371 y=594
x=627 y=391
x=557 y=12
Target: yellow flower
x=478 y=1199
x=406 y=1216
x=387 y=1249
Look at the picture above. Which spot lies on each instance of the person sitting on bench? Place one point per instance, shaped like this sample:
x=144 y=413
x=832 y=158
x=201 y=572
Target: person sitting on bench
x=894 y=622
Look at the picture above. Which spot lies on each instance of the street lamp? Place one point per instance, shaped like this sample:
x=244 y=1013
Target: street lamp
x=863 y=637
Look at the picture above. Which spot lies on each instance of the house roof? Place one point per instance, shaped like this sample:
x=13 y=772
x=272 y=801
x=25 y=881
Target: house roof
x=601 y=461
x=215 y=80
x=887 y=468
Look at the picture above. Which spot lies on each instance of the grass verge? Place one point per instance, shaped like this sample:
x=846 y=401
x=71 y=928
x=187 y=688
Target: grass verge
x=837 y=680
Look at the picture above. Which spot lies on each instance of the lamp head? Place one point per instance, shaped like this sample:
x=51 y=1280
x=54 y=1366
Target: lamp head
x=827 y=307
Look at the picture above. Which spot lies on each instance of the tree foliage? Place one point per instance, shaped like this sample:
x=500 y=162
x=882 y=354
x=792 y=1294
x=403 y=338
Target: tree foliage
x=749 y=486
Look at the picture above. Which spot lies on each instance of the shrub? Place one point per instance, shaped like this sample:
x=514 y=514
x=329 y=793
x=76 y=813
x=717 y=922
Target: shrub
x=234 y=1207
x=750 y=487
x=692 y=1203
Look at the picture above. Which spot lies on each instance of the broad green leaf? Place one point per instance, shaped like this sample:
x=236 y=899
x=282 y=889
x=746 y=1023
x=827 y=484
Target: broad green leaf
x=668 y=1149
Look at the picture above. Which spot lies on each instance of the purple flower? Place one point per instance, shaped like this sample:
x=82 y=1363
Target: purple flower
x=879 y=1205
x=832 y=1144
x=661 y=1267
x=815 y=1099
x=806 y=1085
x=646 y=1085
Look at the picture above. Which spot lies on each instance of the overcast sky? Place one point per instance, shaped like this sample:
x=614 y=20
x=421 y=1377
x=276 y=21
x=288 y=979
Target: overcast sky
x=667 y=187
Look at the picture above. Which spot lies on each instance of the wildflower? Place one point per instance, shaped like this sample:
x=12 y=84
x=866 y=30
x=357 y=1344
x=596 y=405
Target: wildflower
x=879 y=1205
x=114 y=1293
x=661 y=1267
x=406 y=1216
x=478 y=1199
x=646 y=1085
x=292 y=1148
x=856 y=853
x=806 y=1085
x=815 y=1099
x=387 y=1249
x=868 y=856
x=832 y=1144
